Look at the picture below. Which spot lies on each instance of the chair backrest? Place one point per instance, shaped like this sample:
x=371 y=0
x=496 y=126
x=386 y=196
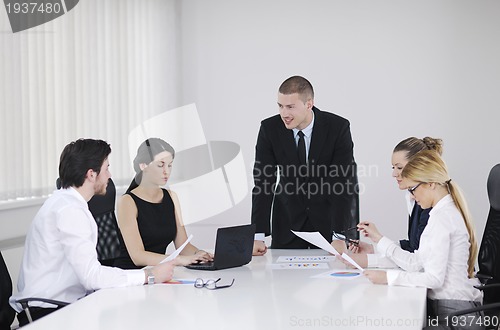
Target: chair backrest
x=489 y=252
x=493 y=186
x=102 y=208
x=7 y=314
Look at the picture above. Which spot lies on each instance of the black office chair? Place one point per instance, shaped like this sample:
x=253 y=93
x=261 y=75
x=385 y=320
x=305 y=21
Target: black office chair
x=489 y=251
x=489 y=255
x=491 y=318
x=102 y=208
x=7 y=314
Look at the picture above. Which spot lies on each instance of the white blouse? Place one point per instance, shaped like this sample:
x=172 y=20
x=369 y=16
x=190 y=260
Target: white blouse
x=440 y=263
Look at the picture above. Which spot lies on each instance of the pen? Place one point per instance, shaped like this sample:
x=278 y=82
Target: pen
x=349 y=229
x=352 y=228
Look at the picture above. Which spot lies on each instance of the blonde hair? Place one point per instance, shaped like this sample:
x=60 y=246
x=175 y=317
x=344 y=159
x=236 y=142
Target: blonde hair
x=427 y=166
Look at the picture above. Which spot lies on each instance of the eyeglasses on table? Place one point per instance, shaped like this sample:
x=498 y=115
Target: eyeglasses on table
x=211 y=284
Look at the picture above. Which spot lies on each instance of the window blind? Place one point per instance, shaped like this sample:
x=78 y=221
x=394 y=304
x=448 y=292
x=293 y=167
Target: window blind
x=95 y=72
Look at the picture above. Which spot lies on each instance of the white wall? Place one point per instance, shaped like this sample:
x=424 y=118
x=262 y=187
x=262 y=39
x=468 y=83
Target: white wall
x=394 y=68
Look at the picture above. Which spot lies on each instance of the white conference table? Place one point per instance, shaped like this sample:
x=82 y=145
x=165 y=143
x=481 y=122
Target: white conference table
x=261 y=298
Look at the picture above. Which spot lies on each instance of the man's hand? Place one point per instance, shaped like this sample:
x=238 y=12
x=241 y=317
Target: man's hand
x=259 y=248
x=165 y=271
x=361 y=247
x=339 y=245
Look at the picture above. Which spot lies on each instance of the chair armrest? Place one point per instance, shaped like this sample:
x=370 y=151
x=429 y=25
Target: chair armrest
x=487 y=286
x=484 y=278
x=473 y=310
x=25 y=305
x=24 y=302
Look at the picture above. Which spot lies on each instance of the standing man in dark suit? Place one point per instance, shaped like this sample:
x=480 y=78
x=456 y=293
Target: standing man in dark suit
x=304 y=174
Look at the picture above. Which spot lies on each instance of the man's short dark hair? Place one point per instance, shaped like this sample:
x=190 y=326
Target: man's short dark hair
x=299 y=85
x=78 y=157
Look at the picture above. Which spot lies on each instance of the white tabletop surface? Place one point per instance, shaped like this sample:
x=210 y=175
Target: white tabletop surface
x=261 y=298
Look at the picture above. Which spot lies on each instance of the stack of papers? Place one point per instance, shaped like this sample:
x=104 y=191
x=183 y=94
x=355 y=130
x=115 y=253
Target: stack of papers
x=317 y=239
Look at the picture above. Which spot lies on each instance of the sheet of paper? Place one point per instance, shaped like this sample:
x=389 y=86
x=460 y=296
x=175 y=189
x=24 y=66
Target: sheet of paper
x=317 y=239
x=176 y=252
x=341 y=274
x=300 y=265
x=305 y=259
x=351 y=261
x=181 y=281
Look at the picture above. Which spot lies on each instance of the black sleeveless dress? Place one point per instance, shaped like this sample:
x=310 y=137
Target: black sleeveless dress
x=157 y=227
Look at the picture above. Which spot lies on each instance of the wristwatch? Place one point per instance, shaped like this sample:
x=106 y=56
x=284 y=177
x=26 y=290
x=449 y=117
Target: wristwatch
x=150 y=276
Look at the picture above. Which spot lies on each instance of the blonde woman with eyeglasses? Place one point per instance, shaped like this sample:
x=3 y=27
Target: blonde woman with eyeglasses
x=362 y=252
x=444 y=262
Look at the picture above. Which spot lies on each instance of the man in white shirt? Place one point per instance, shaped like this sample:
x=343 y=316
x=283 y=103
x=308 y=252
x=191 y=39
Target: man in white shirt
x=60 y=258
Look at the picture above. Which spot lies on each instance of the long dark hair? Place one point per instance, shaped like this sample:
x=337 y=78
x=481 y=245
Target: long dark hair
x=146 y=154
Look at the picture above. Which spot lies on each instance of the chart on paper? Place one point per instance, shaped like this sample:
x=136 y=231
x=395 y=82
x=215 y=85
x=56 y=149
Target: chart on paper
x=305 y=259
x=300 y=265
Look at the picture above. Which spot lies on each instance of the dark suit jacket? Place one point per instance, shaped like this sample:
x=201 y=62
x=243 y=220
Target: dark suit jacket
x=416 y=225
x=325 y=193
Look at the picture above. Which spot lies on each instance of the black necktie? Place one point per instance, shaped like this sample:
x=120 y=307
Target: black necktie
x=301 y=148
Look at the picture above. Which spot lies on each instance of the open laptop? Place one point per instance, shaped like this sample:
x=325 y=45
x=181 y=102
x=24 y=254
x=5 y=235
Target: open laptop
x=233 y=248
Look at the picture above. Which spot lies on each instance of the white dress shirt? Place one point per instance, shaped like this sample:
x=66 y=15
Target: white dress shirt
x=440 y=263
x=60 y=258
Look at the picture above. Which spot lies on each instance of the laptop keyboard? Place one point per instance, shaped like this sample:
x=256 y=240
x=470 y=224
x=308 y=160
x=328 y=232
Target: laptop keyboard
x=203 y=266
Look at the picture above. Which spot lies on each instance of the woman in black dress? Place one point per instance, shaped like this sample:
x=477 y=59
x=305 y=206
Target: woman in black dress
x=149 y=217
